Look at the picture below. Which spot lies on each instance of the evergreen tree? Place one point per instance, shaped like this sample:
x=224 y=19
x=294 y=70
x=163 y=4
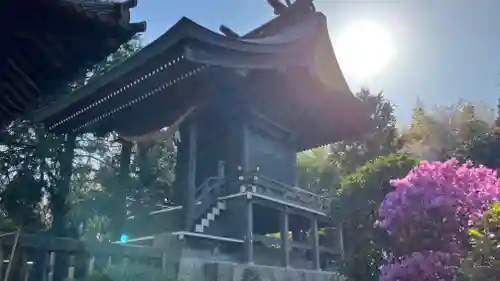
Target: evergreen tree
x=379 y=140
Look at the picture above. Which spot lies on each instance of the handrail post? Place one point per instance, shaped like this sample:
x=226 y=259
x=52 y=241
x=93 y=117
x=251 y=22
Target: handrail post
x=249 y=230
x=315 y=244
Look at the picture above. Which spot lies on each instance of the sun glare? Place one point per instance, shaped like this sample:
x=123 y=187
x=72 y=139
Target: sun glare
x=364 y=49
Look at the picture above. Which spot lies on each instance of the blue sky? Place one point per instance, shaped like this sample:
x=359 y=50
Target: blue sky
x=446 y=50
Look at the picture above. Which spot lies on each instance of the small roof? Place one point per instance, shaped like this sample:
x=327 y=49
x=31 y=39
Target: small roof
x=49 y=43
x=182 y=67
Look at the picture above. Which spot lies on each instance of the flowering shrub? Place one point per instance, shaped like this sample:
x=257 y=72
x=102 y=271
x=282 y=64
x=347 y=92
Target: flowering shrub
x=420 y=266
x=428 y=216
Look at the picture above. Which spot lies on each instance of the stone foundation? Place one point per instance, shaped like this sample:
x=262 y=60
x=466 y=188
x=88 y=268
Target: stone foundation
x=200 y=262
x=225 y=271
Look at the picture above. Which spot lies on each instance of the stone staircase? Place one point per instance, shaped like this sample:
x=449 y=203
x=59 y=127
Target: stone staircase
x=210 y=216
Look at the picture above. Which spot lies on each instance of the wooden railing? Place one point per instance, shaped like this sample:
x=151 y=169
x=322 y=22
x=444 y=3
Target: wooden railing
x=207 y=194
x=270 y=241
x=292 y=194
x=208 y=186
x=35 y=255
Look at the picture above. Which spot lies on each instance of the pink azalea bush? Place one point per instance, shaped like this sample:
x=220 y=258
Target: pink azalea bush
x=428 y=217
x=422 y=266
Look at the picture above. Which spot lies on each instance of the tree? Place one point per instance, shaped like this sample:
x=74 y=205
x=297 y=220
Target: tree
x=483 y=149
x=380 y=139
x=316 y=171
x=21 y=198
x=435 y=134
x=356 y=208
x=24 y=142
x=319 y=169
x=26 y=154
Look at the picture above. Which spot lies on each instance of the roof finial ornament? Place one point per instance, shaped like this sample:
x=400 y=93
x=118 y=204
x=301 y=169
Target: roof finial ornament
x=228 y=32
x=278 y=6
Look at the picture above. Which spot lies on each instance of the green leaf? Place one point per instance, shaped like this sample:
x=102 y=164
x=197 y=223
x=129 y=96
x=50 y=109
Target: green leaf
x=495 y=207
x=475 y=232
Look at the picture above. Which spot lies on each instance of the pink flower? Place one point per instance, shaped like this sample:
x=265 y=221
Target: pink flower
x=430 y=212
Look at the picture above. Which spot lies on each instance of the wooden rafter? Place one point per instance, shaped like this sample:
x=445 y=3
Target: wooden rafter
x=17 y=84
x=24 y=75
x=4 y=110
x=8 y=99
x=17 y=98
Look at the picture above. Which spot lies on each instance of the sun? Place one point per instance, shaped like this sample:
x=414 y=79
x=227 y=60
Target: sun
x=363 y=49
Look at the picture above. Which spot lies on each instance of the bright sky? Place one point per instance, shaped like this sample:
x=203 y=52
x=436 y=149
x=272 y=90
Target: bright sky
x=440 y=51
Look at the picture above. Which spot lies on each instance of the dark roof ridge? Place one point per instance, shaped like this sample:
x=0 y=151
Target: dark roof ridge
x=114 y=13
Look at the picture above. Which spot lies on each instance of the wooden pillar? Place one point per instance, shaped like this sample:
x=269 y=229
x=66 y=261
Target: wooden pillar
x=245 y=150
x=80 y=264
x=164 y=261
x=190 y=200
x=285 y=242
x=118 y=216
x=315 y=241
x=91 y=265
x=249 y=230
x=60 y=208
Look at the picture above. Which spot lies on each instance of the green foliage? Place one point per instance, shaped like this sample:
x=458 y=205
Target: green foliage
x=319 y=169
x=435 y=133
x=21 y=197
x=358 y=202
x=25 y=146
x=483 y=262
x=27 y=171
x=483 y=149
x=379 y=140
x=316 y=171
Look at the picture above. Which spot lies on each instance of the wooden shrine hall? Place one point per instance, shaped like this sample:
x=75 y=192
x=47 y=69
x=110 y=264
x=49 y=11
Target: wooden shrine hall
x=51 y=43
x=244 y=106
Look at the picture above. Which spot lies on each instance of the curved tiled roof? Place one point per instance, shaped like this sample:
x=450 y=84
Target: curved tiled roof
x=188 y=63
x=49 y=43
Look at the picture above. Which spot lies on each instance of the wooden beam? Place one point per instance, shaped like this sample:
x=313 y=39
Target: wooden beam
x=68 y=245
